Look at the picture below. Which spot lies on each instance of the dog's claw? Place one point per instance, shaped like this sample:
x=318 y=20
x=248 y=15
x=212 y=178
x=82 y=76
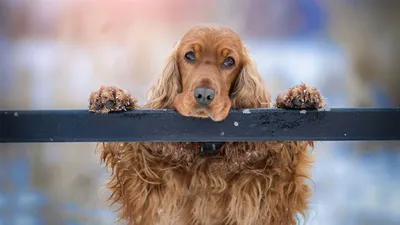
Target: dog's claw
x=98 y=106
x=110 y=104
x=297 y=101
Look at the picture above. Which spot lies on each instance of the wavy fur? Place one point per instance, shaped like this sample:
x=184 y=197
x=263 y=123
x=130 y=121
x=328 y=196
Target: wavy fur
x=248 y=183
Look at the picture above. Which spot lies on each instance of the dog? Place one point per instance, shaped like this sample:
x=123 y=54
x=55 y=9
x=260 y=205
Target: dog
x=209 y=72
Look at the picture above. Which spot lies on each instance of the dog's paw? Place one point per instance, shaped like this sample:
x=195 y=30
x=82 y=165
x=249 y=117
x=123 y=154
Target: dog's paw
x=301 y=97
x=110 y=99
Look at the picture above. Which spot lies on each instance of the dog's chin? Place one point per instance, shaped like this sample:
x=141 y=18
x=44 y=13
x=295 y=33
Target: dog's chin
x=205 y=114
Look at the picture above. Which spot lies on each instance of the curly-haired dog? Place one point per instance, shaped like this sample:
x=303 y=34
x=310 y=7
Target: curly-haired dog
x=209 y=72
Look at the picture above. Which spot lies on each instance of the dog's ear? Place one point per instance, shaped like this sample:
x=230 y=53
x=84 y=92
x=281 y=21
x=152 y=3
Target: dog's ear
x=249 y=90
x=168 y=84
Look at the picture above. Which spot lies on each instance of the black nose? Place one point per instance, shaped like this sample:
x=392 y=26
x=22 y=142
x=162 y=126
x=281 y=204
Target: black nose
x=203 y=95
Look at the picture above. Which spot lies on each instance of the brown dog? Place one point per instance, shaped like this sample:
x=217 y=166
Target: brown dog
x=209 y=72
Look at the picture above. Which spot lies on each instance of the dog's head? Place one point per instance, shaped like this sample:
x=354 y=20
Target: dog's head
x=209 y=72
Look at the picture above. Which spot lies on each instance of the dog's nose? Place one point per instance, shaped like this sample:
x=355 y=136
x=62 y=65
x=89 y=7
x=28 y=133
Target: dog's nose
x=203 y=95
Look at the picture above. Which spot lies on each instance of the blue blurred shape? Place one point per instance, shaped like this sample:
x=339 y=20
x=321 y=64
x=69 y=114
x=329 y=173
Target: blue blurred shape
x=3 y=201
x=30 y=199
x=26 y=219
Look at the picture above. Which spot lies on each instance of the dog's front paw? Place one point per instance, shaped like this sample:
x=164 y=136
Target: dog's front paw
x=110 y=99
x=301 y=97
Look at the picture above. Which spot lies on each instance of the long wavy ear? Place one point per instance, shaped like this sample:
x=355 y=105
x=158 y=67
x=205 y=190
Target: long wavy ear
x=168 y=85
x=249 y=90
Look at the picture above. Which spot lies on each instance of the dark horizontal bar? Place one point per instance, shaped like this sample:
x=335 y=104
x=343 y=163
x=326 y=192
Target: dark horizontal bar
x=168 y=126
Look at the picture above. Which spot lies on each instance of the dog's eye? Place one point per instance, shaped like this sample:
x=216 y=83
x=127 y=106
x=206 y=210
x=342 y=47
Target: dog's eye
x=190 y=56
x=228 y=63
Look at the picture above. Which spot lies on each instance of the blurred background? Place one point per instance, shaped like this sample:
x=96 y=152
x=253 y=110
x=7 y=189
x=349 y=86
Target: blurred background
x=53 y=53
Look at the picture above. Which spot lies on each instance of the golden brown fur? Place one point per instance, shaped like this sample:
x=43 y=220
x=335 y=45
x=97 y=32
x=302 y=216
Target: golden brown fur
x=246 y=183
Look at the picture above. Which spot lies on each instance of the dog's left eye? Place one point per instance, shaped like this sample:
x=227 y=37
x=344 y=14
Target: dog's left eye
x=190 y=56
x=228 y=63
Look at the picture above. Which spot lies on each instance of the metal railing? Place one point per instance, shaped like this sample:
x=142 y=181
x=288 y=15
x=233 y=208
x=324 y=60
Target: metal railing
x=147 y=125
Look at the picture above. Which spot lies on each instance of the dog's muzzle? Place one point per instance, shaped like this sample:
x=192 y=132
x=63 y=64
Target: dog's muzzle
x=210 y=148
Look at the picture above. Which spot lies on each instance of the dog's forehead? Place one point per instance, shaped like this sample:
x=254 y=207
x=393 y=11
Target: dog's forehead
x=210 y=33
x=214 y=37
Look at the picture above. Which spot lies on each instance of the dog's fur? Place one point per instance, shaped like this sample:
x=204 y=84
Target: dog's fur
x=246 y=182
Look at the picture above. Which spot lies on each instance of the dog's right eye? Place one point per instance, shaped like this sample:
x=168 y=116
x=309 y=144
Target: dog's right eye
x=190 y=56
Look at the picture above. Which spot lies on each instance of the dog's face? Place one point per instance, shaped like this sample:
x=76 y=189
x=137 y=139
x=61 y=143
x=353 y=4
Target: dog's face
x=209 y=63
x=210 y=72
